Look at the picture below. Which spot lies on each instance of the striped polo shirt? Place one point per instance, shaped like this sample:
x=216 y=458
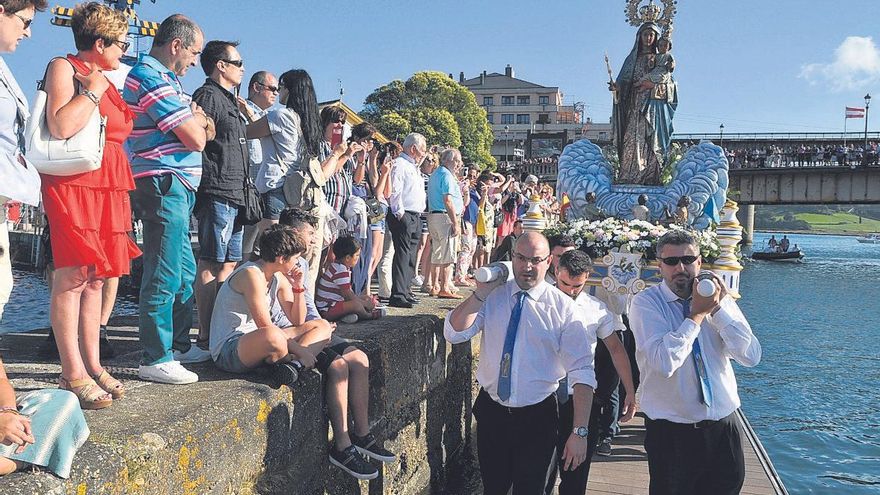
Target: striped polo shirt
x=155 y=95
x=335 y=279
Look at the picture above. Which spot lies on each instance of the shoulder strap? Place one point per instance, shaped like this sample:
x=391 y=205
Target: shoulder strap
x=41 y=84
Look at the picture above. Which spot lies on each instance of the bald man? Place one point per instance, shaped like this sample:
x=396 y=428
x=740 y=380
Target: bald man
x=531 y=337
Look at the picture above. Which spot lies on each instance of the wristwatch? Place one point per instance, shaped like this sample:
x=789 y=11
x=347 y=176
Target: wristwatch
x=580 y=431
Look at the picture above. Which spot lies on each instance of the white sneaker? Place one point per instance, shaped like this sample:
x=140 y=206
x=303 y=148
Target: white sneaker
x=352 y=318
x=171 y=372
x=418 y=281
x=195 y=354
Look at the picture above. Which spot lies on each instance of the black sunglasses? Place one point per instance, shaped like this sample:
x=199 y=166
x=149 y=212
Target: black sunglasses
x=123 y=45
x=27 y=21
x=273 y=89
x=238 y=63
x=675 y=260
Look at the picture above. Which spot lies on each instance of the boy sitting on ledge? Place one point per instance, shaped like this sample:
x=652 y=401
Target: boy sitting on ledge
x=334 y=296
x=260 y=314
x=346 y=369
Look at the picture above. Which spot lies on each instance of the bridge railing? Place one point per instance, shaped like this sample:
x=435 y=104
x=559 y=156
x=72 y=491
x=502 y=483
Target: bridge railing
x=854 y=137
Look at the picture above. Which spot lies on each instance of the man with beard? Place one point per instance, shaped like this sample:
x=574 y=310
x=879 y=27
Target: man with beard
x=684 y=344
x=532 y=336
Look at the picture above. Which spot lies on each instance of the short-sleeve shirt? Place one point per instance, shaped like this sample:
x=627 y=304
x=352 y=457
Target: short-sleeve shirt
x=283 y=150
x=224 y=160
x=335 y=279
x=441 y=183
x=156 y=97
x=255 y=149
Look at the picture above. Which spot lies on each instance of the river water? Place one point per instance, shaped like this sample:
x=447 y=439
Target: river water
x=815 y=397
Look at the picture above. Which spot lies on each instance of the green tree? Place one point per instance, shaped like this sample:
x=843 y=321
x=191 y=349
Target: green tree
x=432 y=104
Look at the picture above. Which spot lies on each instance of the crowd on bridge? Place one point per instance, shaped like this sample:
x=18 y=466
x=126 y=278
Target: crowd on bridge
x=294 y=220
x=746 y=156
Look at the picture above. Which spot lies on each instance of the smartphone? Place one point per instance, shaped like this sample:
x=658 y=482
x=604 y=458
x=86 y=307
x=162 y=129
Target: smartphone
x=336 y=138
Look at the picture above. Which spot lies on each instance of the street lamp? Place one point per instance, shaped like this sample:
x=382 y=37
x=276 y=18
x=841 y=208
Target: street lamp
x=865 y=152
x=506 y=143
x=721 y=128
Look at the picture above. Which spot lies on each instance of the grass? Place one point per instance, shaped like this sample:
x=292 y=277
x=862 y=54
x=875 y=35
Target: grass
x=839 y=223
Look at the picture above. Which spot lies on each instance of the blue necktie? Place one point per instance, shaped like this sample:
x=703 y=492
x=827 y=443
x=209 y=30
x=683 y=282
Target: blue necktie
x=509 y=341
x=699 y=363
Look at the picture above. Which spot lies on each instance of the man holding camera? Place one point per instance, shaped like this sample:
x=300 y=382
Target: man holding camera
x=684 y=344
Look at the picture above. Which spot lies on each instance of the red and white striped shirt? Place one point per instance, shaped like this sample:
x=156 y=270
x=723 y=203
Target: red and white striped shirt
x=333 y=281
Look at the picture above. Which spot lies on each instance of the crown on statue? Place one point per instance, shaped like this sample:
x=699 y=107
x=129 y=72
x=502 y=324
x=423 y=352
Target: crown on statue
x=638 y=14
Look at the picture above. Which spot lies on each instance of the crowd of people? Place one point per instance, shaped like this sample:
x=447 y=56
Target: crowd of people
x=740 y=155
x=294 y=219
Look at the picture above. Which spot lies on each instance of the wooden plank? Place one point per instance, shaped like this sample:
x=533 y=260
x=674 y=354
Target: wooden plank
x=626 y=470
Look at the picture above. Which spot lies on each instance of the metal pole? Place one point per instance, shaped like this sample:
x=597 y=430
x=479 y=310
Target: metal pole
x=865 y=152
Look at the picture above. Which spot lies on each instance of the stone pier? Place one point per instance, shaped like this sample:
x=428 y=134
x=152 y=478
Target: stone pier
x=232 y=434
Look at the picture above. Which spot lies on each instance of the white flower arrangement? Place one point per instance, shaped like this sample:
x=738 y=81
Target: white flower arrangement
x=599 y=237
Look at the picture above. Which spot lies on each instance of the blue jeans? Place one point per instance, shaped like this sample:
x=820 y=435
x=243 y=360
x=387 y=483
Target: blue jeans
x=273 y=203
x=164 y=205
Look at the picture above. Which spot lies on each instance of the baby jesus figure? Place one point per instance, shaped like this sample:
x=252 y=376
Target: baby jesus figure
x=660 y=76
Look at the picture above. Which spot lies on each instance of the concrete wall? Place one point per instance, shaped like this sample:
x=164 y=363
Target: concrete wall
x=807 y=185
x=234 y=435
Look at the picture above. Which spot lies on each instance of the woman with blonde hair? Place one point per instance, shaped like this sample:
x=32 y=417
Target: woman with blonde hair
x=89 y=213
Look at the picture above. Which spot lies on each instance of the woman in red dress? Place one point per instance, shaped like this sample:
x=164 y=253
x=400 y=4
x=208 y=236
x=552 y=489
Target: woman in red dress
x=90 y=213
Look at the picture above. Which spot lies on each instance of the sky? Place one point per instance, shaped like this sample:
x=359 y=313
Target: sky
x=753 y=65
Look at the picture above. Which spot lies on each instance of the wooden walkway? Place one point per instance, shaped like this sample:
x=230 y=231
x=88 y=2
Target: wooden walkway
x=626 y=470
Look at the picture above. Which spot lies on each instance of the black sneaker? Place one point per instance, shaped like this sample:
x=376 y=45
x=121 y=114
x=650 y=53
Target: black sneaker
x=351 y=461
x=284 y=373
x=369 y=447
x=604 y=448
x=106 y=348
x=49 y=349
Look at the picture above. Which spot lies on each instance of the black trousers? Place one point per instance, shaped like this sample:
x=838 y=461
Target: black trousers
x=515 y=446
x=405 y=234
x=607 y=382
x=685 y=460
x=574 y=482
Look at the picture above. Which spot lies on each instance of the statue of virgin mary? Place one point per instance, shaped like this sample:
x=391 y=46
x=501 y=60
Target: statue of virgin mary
x=643 y=113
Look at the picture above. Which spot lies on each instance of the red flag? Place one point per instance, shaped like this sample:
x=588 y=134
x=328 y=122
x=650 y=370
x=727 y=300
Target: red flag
x=855 y=113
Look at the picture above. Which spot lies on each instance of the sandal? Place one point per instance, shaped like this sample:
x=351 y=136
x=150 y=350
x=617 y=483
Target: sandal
x=87 y=391
x=110 y=385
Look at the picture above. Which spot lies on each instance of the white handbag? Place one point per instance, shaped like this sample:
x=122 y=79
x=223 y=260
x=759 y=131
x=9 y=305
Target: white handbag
x=78 y=154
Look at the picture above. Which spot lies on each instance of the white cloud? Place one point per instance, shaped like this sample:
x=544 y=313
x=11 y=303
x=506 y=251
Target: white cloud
x=856 y=65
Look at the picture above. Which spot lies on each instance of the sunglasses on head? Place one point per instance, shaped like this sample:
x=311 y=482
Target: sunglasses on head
x=675 y=260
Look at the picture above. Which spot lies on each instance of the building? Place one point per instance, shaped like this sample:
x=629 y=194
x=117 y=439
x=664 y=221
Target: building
x=529 y=117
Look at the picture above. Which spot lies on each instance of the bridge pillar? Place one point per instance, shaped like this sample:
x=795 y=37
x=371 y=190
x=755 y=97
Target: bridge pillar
x=746 y=216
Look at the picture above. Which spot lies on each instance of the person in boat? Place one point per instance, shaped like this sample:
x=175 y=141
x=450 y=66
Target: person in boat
x=772 y=243
x=784 y=244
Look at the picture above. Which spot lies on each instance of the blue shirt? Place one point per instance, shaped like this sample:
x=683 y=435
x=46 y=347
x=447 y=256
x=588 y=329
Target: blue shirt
x=470 y=214
x=156 y=97
x=442 y=183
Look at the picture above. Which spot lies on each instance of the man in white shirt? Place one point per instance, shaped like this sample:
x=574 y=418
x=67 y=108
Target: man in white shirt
x=572 y=271
x=408 y=200
x=532 y=336
x=262 y=93
x=684 y=344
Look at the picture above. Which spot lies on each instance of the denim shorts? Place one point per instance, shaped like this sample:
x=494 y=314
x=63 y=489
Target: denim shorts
x=220 y=232
x=228 y=359
x=274 y=203
x=380 y=225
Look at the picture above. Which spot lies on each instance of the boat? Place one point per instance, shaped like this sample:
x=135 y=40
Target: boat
x=793 y=256
x=869 y=239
